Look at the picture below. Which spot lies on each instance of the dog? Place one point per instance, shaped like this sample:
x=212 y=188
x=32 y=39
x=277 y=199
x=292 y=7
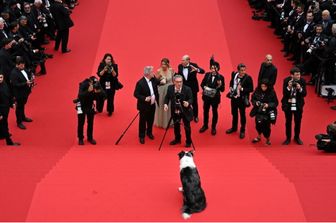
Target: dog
x=193 y=195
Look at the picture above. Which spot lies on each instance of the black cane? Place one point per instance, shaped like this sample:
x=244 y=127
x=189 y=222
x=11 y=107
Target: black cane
x=164 y=136
x=122 y=135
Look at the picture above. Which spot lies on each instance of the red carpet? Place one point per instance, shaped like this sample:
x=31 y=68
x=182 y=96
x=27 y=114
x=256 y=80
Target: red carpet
x=50 y=178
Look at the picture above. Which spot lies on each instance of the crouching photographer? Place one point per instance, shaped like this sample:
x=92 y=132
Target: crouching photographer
x=90 y=90
x=181 y=100
x=327 y=142
x=265 y=102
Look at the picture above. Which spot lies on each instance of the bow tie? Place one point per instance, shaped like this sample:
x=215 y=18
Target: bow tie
x=187 y=67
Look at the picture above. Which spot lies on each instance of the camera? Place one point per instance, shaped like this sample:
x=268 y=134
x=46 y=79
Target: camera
x=178 y=104
x=294 y=83
x=109 y=68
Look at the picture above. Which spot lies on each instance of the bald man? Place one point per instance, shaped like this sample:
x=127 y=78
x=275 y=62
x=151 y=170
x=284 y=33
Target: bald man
x=189 y=71
x=268 y=70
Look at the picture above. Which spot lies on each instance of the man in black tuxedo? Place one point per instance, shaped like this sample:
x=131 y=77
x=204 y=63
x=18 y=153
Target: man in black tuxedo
x=241 y=85
x=268 y=71
x=89 y=91
x=294 y=91
x=212 y=84
x=63 y=22
x=181 y=99
x=6 y=102
x=22 y=82
x=146 y=92
x=189 y=71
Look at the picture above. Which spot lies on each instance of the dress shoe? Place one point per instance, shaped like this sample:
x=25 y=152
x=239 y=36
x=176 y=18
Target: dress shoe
x=175 y=142
x=203 y=129
x=256 y=139
x=232 y=130
x=188 y=145
x=27 y=119
x=81 y=142
x=66 y=51
x=242 y=135
x=109 y=114
x=150 y=135
x=286 y=142
x=142 y=140
x=13 y=144
x=21 y=126
x=196 y=119
x=298 y=141
x=213 y=131
x=92 y=141
x=268 y=142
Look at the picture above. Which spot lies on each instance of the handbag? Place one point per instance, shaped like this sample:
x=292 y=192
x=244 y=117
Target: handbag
x=209 y=92
x=118 y=85
x=246 y=101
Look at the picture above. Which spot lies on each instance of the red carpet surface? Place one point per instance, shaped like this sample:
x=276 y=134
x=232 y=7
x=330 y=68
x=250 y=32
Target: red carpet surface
x=50 y=178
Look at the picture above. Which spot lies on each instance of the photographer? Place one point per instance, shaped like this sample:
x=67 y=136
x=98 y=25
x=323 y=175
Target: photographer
x=265 y=102
x=108 y=73
x=6 y=102
x=181 y=100
x=294 y=91
x=89 y=91
x=212 y=84
x=22 y=82
x=327 y=142
x=241 y=85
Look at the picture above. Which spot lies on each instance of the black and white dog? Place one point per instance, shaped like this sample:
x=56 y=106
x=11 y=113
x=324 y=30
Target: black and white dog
x=193 y=194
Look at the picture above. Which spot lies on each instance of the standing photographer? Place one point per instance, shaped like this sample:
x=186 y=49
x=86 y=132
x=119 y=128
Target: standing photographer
x=241 y=85
x=294 y=91
x=265 y=102
x=181 y=100
x=108 y=73
x=212 y=84
x=22 y=82
x=89 y=91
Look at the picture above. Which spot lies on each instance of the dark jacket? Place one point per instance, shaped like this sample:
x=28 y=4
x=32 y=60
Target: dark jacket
x=6 y=99
x=192 y=81
x=87 y=98
x=268 y=72
x=19 y=84
x=287 y=94
x=61 y=16
x=207 y=81
x=246 y=83
x=107 y=76
x=6 y=64
x=142 y=91
x=186 y=95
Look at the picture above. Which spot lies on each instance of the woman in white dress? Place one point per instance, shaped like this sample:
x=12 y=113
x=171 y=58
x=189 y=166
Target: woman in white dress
x=165 y=74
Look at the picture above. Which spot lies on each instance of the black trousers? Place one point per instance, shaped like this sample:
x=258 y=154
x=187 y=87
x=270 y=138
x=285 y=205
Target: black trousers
x=80 y=128
x=238 y=105
x=195 y=104
x=177 y=127
x=4 y=131
x=297 y=120
x=20 y=109
x=264 y=128
x=146 y=121
x=62 y=36
x=110 y=102
x=206 y=108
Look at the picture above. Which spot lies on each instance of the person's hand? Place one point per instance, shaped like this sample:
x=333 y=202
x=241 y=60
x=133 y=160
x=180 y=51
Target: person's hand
x=14 y=106
x=299 y=35
x=290 y=84
x=239 y=87
x=1 y=117
x=163 y=81
x=265 y=105
x=219 y=83
x=21 y=40
x=90 y=89
x=148 y=98
x=193 y=68
x=29 y=83
x=165 y=107
x=185 y=104
x=298 y=86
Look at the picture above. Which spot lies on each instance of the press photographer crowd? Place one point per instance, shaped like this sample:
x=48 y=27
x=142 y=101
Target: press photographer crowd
x=167 y=98
x=25 y=27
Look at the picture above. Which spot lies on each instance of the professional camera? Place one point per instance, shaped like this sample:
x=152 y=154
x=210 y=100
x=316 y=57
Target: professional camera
x=294 y=83
x=178 y=103
x=327 y=142
x=109 y=68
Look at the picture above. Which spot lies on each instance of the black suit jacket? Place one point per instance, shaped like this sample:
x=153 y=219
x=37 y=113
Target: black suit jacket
x=6 y=64
x=207 y=81
x=19 y=84
x=192 y=81
x=186 y=95
x=142 y=91
x=61 y=16
x=286 y=106
x=6 y=99
x=108 y=76
x=246 y=83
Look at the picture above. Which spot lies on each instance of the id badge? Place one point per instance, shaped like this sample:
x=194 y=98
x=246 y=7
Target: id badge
x=107 y=85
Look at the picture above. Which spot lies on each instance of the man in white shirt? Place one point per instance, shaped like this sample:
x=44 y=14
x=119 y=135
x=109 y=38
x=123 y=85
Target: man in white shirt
x=147 y=94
